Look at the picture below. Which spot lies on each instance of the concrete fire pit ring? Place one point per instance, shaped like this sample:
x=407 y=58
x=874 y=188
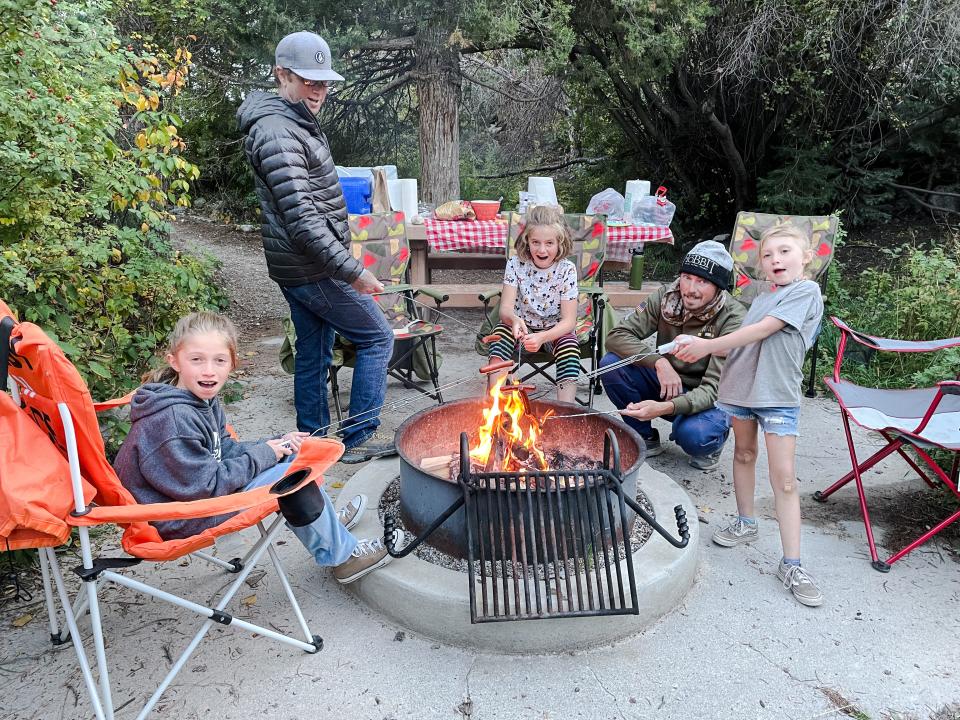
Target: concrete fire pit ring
x=434 y=602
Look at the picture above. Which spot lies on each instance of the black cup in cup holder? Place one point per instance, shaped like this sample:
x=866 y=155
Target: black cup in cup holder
x=303 y=506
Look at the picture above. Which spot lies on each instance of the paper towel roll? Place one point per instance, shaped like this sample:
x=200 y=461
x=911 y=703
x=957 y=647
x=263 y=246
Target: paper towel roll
x=393 y=189
x=408 y=197
x=543 y=190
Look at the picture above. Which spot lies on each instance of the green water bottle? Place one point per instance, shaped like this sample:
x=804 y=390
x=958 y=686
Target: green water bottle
x=636 y=268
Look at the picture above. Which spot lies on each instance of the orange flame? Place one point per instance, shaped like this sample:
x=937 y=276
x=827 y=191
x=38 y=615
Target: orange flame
x=518 y=431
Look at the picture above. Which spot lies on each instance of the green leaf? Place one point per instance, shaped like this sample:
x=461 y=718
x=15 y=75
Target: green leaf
x=99 y=369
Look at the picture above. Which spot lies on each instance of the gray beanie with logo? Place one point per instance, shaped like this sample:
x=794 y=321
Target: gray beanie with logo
x=711 y=261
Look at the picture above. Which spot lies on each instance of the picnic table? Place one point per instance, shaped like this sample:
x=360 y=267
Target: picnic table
x=477 y=244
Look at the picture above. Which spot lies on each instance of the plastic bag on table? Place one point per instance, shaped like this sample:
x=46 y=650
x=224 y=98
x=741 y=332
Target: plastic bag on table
x=654 y=209
x=455 y=210
x=607 y=202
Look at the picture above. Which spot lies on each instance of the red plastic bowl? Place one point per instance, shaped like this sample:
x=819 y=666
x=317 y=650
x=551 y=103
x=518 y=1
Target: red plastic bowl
x=485 y=209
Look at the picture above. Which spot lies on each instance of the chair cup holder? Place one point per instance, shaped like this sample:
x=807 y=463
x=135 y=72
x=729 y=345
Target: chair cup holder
x=303 y=506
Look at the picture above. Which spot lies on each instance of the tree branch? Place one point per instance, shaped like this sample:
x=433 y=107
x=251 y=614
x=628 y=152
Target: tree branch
x=389 y=44
x=501 y=92
x=544 y=168
x=521 y=44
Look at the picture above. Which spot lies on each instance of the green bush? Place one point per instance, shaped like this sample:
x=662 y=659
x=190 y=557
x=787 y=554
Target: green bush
x=914 y=294
x=91 y=163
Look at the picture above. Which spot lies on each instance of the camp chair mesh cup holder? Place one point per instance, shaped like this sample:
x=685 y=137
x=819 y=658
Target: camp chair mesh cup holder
x=748 y=280
x=47 y=388
x=924 y=419
x=589 y=247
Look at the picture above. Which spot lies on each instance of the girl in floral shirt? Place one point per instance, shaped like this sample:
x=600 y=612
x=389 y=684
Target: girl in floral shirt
x=538 y=305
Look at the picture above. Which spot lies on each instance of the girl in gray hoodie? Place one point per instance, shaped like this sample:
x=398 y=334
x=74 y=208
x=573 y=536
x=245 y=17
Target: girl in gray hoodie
x=179 y=449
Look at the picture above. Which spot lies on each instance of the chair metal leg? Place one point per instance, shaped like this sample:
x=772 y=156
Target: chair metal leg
x=92 y=690
x=48 y=598
x=434 y=370
x=812 y=379
x=877 y=565
x=335 y=391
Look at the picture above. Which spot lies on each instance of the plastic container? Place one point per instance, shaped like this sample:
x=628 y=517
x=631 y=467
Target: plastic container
x=356 y=191
x=486 y=209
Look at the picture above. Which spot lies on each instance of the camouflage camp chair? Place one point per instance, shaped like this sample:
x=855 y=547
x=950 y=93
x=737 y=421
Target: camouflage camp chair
x=593 y=313
x=745 y=249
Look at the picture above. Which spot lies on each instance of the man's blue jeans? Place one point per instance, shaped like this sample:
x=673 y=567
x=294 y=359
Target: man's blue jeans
x=325 y=538
x=319 y=310
x=702 y=433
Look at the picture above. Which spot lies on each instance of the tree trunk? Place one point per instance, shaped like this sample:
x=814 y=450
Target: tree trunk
x=438 y=94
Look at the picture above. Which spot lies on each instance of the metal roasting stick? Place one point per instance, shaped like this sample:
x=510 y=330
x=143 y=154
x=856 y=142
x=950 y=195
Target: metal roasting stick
x=391 y=406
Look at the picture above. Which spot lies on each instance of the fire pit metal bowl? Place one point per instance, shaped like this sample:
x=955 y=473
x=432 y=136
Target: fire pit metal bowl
x=424 y=496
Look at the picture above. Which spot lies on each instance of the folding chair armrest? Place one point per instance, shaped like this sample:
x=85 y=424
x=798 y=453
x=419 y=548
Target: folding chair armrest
x=591 y=290
x=208 y=507
x=486 y=297
x=114 y=402
x=438 y=297
x=893 y=344
x=396 y=289
x=949 y=387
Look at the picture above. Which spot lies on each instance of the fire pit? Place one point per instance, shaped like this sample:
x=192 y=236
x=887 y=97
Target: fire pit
x=425 y=494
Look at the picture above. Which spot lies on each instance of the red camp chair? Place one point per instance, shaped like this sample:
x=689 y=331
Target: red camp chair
x=47 y=388
x=923 y=419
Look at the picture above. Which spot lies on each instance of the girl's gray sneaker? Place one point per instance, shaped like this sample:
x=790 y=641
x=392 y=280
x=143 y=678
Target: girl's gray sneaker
x=369 y=555
x=736 y=533
x=349 y=515
x=800 y=583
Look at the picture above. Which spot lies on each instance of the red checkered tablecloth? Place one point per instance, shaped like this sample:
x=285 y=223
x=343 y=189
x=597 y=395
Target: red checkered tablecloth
x=490 y=236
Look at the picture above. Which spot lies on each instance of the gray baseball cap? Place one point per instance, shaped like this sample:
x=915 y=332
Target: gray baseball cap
x=307 y=55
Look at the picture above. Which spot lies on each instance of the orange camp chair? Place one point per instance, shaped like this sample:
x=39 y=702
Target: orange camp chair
x=47 y=388
x=924 y=419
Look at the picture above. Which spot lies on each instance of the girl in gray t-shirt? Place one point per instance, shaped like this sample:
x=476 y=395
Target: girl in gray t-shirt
x=760 y=386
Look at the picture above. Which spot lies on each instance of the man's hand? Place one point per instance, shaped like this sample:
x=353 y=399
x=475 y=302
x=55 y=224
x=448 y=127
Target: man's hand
x=648 y=409
x=670 y=383
x=367 y=284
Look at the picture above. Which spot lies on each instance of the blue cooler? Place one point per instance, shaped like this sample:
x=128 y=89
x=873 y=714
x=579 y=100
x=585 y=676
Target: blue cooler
x=356 y=191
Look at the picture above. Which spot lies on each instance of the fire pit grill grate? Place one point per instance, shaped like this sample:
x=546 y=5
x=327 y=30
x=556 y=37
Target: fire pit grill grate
x=570 y=522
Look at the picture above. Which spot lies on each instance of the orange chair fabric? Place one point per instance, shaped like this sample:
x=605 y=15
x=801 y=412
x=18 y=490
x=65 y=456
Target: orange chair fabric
x=35 y=490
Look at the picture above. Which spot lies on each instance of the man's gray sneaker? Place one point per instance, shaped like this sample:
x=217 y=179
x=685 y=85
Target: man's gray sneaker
x=801 y=584
x=366 y=557
x=376 y=445
x=653 y=444
x=349 y=515
x=705 y=462
x=736 y=533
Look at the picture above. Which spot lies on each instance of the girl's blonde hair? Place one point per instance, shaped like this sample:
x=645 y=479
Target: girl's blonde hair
x=549 y=216
x=786 y=231
x=198 y=323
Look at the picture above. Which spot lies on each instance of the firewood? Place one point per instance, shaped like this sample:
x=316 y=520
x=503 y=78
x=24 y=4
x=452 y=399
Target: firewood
x=438 y=462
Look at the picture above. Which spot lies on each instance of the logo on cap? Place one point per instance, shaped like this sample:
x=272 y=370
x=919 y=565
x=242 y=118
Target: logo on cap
x=319 y=57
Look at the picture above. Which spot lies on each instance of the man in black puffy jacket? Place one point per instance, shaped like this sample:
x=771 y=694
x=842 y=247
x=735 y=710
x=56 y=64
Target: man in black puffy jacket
x=307 y=245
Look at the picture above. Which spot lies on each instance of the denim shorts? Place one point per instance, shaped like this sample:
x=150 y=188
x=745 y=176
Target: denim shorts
x=774 y=420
